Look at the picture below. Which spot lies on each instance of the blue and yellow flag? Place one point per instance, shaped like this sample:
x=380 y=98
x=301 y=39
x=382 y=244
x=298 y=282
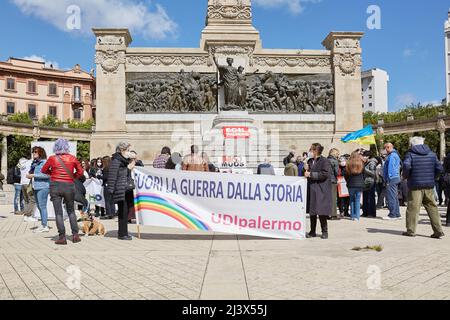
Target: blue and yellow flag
x=364 y=136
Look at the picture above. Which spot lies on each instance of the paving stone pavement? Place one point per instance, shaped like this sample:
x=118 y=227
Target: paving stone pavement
x=176 y=264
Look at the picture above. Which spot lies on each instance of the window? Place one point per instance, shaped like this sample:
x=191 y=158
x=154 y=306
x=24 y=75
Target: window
x=32 y=86
x=77 y=114
x=77 y=94
x=32 y=110
x=10 y=84
x=370 y=96
x=370 y=88
x=52 y=89
x=10 y=107
x=52 y=111
x=370 y=104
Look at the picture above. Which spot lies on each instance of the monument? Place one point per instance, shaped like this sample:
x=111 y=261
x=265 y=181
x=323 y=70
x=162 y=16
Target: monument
x=284 y=99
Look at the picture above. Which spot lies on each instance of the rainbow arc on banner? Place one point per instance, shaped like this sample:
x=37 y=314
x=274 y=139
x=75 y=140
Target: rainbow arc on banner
x=170 y=208
x=364 y=136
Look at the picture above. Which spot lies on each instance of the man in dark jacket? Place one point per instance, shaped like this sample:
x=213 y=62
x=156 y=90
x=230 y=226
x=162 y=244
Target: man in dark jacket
x=421 y=167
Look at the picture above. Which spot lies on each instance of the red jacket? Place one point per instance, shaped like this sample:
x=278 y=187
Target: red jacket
x=56 y=171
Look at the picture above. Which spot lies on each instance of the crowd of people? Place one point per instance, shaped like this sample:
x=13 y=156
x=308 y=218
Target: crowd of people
x=336 y=184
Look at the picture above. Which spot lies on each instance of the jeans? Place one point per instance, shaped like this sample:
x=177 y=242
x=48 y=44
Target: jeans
x=381 y=194
x=41 y=197
x=355 y=202
x=392 y=198
x=58 y=192
x=18 y=198
x=369 y=205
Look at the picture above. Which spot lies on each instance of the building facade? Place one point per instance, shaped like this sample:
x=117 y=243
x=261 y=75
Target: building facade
x=375 y=90
x=31 y=87
x=447 y=57
x=284 y=98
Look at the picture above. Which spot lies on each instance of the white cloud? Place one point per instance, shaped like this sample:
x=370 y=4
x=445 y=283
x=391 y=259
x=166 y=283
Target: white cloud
x=408 y=53
x=405 y=99
x=294 y=6
x=434 y=103
x=135 y=15
x=42 y=59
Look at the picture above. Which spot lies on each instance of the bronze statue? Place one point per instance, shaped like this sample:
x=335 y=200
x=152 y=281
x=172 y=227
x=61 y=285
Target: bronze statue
x=229 y=78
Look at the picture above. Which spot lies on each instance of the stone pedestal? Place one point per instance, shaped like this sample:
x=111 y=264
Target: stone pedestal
x=346 y=52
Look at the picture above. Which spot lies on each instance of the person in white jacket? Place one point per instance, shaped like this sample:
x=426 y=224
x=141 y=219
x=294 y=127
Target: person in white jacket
x=25 y=166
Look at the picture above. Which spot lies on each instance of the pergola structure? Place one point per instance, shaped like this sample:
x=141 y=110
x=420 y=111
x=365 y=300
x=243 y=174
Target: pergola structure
x=441 y=123
x=36 y=131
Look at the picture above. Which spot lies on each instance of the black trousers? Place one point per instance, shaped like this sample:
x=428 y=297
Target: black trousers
x=60 y=191
x=369 y=204
x=124 y=208
x=110 y=207
x=344 y=205
x=323 y=223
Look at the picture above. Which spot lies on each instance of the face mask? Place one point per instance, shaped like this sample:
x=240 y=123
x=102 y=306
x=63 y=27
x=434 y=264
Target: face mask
x=310 y=155
x=343 y=164
x=126 y=155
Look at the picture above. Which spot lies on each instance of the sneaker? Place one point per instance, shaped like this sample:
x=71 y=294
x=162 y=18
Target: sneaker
x=31 y=219
x=41 y=229
x=389 y=218
x=409 y=234
x=324 y=236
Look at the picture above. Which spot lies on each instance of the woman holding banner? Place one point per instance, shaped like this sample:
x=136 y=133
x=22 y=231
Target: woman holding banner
x=121 y=186
x=320 y=198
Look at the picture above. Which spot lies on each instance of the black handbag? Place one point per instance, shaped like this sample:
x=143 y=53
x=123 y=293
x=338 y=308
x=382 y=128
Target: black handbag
x=130 y=184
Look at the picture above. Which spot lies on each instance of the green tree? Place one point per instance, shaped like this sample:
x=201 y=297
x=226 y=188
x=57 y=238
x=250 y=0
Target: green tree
x=18 y=147
x=83 y=150
x=50 y=121
x=21 y=117
x=81 y=125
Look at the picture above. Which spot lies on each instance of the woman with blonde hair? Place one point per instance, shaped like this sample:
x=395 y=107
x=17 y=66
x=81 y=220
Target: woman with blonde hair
x=355 y=182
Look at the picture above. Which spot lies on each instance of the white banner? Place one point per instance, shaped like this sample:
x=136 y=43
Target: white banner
x=50 y=211
x=94 y=192
x=265 y=206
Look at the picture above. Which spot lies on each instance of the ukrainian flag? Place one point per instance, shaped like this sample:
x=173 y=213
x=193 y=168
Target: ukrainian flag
x=364 y=136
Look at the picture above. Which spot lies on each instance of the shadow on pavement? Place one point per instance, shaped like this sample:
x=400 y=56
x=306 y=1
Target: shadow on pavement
x=168 y=236
x=391 y=232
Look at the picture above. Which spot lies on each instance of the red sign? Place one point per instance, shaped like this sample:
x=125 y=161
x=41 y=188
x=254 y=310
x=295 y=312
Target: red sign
x=236 y=132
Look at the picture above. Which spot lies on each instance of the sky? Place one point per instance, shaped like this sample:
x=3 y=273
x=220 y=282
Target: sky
x=408 y=42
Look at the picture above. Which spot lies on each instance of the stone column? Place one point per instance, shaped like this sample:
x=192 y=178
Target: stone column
x=111 y=46
x=346 y=65
x=4 y=163
x=443 y=145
